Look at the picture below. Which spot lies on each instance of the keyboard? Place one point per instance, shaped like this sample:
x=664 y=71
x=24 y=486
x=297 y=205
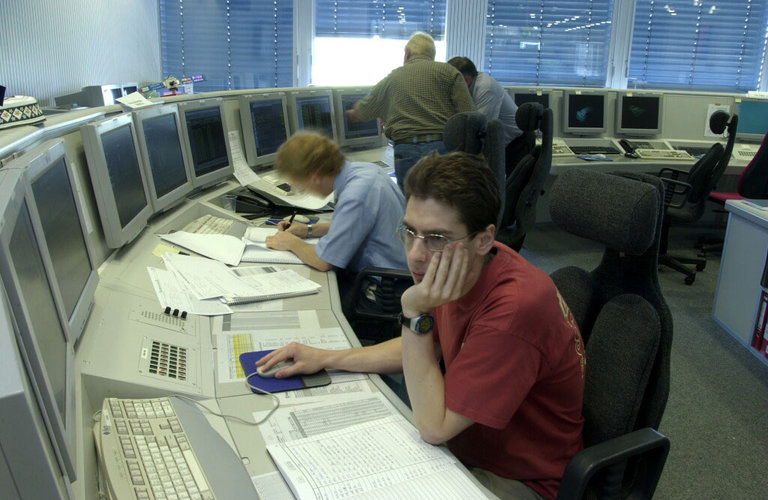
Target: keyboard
x=208 y=224
x=164 y=448
x=663 y=154
x=745 y=154
x=561 y=150
x=595 y=150
x=695 y=150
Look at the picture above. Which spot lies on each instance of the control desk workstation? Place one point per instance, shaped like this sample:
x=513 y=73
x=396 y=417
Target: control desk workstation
x=85 y=199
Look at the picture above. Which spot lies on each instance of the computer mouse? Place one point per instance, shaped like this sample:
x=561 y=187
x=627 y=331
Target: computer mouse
x=271 y=372
x=299 y=218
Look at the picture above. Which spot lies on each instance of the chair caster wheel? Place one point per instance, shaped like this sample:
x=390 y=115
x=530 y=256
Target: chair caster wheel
x=689 y=280
x=700 y=267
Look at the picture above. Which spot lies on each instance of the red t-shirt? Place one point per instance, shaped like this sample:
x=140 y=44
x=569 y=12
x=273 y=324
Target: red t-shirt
x=515 y=365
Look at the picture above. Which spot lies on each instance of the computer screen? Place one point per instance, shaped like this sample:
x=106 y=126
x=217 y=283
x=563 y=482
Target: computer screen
x=169 y=177
x=59 y=221
x=313 y=110
x=117 y=178
x=41 y=336
x=584 y=113
x=753 y=120
x=264 y=118
x=638 y=114
x=540 y=97
x=355 y=134
x=206 y=138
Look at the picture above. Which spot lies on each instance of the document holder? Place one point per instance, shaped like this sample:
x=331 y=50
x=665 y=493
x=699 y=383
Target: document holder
x=248 y=362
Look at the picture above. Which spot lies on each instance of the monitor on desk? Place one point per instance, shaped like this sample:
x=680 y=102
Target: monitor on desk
x=59 y=222
x=169 y=173
x=584 y=113
x=312 y=109
x=264 y=119
x=355 y=134
x=521 y=97
x=753 y=120
x=42 y=385
x=638 y=114
x=206 y=140
x=117 y=177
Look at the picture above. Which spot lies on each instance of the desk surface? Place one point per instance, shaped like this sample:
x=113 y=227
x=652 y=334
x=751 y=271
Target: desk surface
x=126 y=321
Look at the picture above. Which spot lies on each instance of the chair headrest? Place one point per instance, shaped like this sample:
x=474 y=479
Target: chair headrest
x=465 y=132
x=718 y=121
x=528 y=116
x=619 y=212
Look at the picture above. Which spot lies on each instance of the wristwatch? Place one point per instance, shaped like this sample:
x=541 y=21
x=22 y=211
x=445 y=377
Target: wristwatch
x=309 y=230
x=421 y=324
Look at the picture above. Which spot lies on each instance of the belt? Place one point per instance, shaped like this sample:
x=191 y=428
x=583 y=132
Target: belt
x=420 y=138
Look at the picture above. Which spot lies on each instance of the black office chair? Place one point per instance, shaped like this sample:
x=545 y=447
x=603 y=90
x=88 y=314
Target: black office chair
x=472 y=133
x=524 y=184
x=627 y=329
x=522 y=145
x=687 y=193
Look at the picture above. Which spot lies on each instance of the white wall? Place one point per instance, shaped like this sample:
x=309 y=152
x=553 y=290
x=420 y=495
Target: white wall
x=55 y=47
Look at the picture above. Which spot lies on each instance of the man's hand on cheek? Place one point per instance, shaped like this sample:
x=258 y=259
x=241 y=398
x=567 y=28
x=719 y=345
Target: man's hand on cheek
x=442 y=283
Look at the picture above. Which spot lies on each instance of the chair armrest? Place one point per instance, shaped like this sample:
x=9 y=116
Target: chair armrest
x=675 y=189
x=646 y=442
x=672 y=173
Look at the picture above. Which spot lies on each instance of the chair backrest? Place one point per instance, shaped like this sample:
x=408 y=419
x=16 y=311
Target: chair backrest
x=719 y=122
x=524 y=184
x=523 y=144
x=472 y=133
x=618 y=305
x=753 y=181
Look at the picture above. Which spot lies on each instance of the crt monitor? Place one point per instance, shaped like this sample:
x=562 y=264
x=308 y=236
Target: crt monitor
x=117 y=177
x=312 y=109
x=584 y=113
x=638 y=114
x=534 y=96
x=169 y=175
x=264 y=118
x=59 y=221
x=206 y=140
x=40 y=335
x=355 y=134
x=753 y=120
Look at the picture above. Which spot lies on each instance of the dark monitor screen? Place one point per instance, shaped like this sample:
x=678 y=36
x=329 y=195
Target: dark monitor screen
x=66 y=243
x=207 y=140
x=639 y=113
x=314 y=113
x=753 y=119
x=356 y=130
x=522 y=98
x=166 y=159
x=35 y=292
x=585 y=113
x=268 y=125
x=124 y=173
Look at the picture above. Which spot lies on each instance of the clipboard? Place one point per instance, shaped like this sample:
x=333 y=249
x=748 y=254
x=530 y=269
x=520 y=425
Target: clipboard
x=248 y=362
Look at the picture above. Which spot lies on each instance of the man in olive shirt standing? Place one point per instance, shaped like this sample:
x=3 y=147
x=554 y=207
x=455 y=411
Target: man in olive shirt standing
x=415 y=101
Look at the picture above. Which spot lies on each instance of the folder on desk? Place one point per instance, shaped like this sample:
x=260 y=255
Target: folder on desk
x=248 y=362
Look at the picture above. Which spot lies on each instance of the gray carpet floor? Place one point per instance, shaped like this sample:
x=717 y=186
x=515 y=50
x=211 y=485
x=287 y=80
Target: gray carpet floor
x=717 y=413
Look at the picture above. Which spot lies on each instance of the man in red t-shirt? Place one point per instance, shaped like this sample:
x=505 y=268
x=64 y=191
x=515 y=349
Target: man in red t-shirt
x=509 y=403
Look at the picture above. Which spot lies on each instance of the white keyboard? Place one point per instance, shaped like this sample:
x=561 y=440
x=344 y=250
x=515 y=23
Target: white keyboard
x=164 y=448
x=561 y=150
x=208 y=224
x=745 y=154
x=663 y=154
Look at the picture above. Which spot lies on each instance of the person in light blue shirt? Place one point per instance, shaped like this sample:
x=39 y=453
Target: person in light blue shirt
x=495 y=103
x=369 y=208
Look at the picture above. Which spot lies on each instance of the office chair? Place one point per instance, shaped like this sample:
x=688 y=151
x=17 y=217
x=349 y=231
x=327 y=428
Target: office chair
x=524 y=184
x=686 y=195
x=627 y=329
x=472 y=133
x=522 y=145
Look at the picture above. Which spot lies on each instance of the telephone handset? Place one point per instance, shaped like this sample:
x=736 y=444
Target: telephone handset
x=628 y=147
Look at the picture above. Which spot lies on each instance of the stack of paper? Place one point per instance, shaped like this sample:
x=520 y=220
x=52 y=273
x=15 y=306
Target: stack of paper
x=256 y=248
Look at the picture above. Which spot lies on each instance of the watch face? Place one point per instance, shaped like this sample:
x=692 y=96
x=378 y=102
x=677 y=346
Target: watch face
x=424 y=324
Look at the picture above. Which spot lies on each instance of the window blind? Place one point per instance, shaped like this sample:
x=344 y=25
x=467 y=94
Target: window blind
x=396 y=19
x=234 y=44
x=698 y=44
x=540 y=42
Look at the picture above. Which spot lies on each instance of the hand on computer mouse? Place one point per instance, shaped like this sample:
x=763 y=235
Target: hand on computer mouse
x=272 y=371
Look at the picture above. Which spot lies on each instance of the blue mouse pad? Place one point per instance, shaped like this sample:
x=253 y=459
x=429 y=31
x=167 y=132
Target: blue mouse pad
x=248 y=362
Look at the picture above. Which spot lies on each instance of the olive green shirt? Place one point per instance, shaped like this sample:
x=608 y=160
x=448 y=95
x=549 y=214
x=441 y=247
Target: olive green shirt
x=417 y=98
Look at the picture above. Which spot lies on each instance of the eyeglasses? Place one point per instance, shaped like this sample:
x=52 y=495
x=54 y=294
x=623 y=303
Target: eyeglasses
x=433 y=242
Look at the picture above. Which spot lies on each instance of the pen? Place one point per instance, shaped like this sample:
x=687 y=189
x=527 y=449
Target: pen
x=290 y=221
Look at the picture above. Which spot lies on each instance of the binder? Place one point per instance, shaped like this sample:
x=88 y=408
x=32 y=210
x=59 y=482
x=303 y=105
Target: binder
x=248 y=362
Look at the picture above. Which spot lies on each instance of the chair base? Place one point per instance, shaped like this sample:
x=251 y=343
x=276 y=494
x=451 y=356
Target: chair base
x=676 y=263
